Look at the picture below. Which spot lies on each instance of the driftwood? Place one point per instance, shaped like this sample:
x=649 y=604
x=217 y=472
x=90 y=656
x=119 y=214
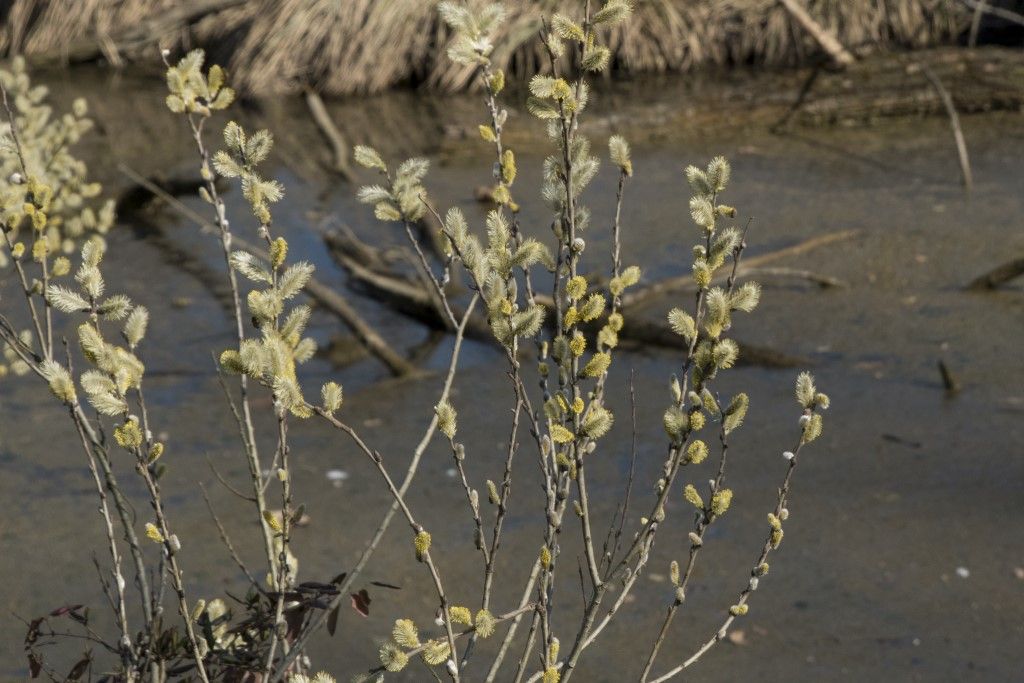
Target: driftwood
x=981 y=80
x=823 y=281
x=839 y=54
x=326 y=297
x=998 y=276
x=683 y=282
x=954 y=122
x=325 y=123
x=397 y=291
x=148 y=30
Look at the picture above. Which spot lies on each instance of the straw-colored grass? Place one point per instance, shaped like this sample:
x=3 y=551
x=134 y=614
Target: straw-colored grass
x=358 y=46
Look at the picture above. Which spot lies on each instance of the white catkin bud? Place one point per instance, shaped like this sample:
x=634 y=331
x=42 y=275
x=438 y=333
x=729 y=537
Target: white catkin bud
x=753 y=583
x=578 y=245
x=120 y=583
x=677 y=390
x=439 y=620
x=804 y=419
x=788 y=455
x=165 y=52
x=175 y=543
x=680 y=594
x=16 y=178
x=784 y=514
x=453 y=669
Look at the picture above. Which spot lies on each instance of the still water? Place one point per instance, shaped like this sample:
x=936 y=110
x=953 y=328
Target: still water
x=904 y=553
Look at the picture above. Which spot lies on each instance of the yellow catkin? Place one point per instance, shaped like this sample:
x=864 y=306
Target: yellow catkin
x=691 y=495
x=422 y=544
x=560 y=434
x=460 y=615
x=578 y=345
x=153 y=534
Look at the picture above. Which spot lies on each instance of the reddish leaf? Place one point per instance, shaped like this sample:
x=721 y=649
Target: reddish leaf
x=332 y=621
x=361 y=602
x=61 y=611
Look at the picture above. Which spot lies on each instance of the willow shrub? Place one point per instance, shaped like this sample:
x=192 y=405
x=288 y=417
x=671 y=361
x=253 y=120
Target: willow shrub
x=570 y=331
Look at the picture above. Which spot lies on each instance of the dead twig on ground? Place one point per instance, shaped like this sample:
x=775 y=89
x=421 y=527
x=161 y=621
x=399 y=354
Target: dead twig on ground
x=839 y=54
x=323 y=120
x=954 y=122
x=998 y=276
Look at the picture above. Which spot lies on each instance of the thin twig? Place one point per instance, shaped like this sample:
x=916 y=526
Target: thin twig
x=954 y=122
x=321 y=619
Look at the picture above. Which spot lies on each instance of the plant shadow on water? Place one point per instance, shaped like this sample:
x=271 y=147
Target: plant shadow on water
x=908 y=487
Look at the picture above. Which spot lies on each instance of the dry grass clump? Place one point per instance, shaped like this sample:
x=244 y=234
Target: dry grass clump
x=360 y=46
x=35 y=27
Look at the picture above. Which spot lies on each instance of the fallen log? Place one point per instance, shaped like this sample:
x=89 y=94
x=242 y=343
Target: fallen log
x=823 y=281
x=326 y=297
x=998 y=276
x=981 y=80
x=748 y=264
x=411 y=300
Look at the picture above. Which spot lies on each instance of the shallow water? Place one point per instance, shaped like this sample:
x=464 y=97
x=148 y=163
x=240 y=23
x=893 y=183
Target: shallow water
x=907 y=488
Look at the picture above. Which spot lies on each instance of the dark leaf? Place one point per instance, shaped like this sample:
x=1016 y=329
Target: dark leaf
x=35 y=664
x=178 y=670
x=332 y=620
x=33 y=631
x=82 y=619
x=317 y=586
x=78 y=669
x=386 y=585
x=294 y=618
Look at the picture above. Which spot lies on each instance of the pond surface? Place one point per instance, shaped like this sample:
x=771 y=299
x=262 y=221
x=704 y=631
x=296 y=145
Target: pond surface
x=904 y=554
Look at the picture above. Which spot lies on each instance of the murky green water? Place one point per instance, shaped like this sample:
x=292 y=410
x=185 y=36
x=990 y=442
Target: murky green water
x=906 y=490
